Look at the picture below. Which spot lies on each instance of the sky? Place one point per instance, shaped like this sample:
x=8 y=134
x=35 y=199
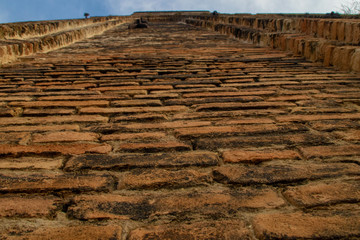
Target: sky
x=35 y=10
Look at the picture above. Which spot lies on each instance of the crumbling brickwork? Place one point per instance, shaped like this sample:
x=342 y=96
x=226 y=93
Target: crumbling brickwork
x=177 y=132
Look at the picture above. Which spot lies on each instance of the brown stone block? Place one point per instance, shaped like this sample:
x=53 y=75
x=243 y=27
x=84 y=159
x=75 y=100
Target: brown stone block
x=140 y=117
x=351 y=135
x=145 y=87
x=48 y=112
x=52 y=119
x=96 y=110
x=40 y=128
x=13 y=137
x=317 y=117
x=66 y=136
x=126 y=161
x=110 y=207
x=31 y=163
x=43 y=182
x=273 y=173
x=356 y=33
x=300 y=225
x=130 y=103
x=39 y=104
x=290 y=98
x=332 y=125
x=243 y=121
x=165 y=125
x=160 y=178
x=134 y=136
x=333 y=30
x=349 y=31
x=218 y=131
x=355 y=60
x=226 y=230
x=329 y=54
x=340 y=35
x=205 y=202
x=227 y=94
x=256 y=156
x=83 y=232
x=28 y=207
x=193 y=101
x=324 y=193
x=238 y=106
x=153 y=147
x=330 y=151
x=261 y=140
x=63 y=149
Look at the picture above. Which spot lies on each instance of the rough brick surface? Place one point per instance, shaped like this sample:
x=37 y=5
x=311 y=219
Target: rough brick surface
x=180 y=132
x=200 y=230
x=76 y=232
x=29 y=207
x=306 y=226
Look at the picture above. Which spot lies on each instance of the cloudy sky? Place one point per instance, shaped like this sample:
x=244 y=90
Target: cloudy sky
x=31 y=10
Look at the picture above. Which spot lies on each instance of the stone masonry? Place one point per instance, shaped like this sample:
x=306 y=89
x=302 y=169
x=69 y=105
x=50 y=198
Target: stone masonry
x=174 y=131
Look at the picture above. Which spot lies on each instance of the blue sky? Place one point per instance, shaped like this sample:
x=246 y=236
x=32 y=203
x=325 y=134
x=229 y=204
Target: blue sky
x=33 y=10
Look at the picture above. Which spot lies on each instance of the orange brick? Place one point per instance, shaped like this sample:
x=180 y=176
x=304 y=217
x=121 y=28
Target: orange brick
x=40 y=128
x=53 y=119
x=82 y=232
x=47 y=112
x=52 y=163
x=192 y=101
x=152 y=87
x=290 y=172
x=134 y=136
x=179 y=203
x=40 y=182
x=152 y=147
x=140 y=117
x=235 y=106
x=129 y=103
x=290 y=98
x=244 y=121
x=165 y=125
x=213 y=131
x=331 y=125
x=351 y=135
x=256 y=156
x=227 y=94
x=214 y=143
x=324 y=193
x=299 y=225
x=125 y=161
x=63 y=149
x=225 y=229
x=95 y=110
x=160 y=178
x=330 y=151
x=38 y=104
x=305 y=118
x=29 y=207
x=67 y=136
x=12 y=137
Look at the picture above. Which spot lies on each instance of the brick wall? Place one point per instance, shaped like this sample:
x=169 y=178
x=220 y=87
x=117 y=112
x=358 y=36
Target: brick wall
x=26 y=38
x=335 y=42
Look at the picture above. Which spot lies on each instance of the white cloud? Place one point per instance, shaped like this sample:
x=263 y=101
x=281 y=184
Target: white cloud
x=125 y=7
